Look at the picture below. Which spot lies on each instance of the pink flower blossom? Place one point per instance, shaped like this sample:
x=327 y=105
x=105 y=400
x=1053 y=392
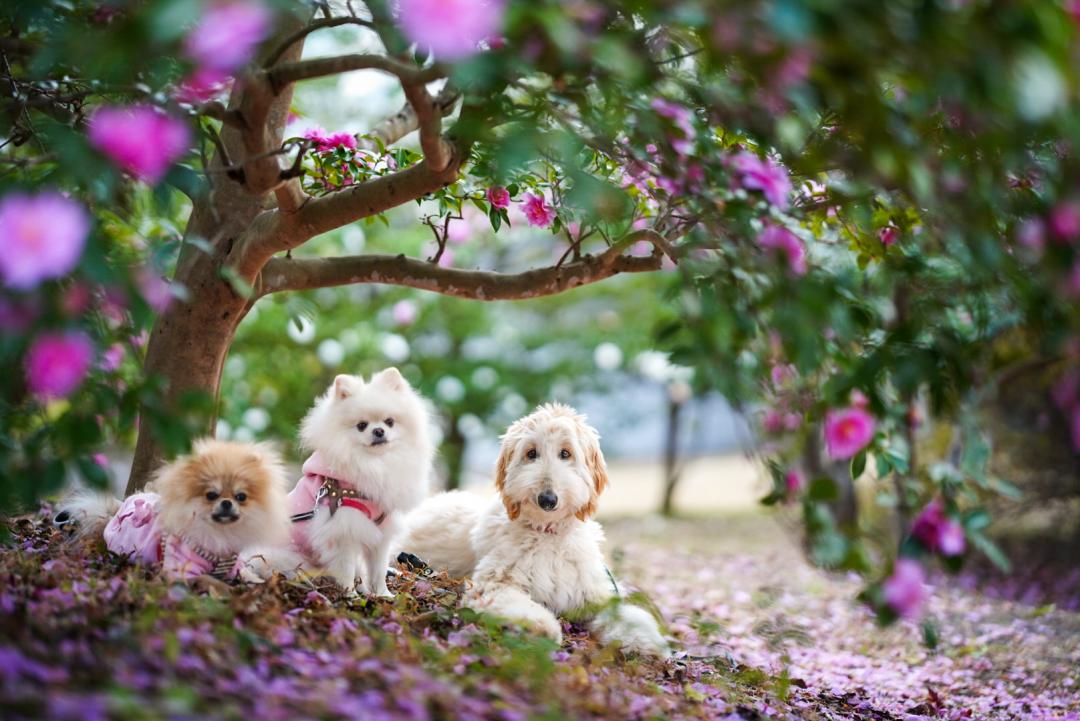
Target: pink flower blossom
x=938 y=532
x=781 y=373
x=785 y=243
x=228 y=34
x=43 y=237
x=888 y=235
x=858 y=399
x=683 y=140
x=451 y=29
x=848 y=431
x=155 y=290
x=57 y=363
x=538 y=212
x=1032 y=234
x=458 y=232
x=447 y=259
x=498 y=196
x=404 y=312
x=1064 y=221
x=764 y=175
x=202 y=85
x=111 y=358
x=101 y=459
x=324 y=143
x=140 y=139
x=794 y=482
x=905 y=589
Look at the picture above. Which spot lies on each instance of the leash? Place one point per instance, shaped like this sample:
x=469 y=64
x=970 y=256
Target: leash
x=614 y=584
x=338 y=496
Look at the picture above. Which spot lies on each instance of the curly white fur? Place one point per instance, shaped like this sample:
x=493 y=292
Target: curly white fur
x=530 y=559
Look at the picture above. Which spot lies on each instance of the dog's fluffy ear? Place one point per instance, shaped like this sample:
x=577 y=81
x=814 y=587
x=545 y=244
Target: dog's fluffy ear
x=506 y=452
x=594 y=462
x=343 y=386
x=391 y=378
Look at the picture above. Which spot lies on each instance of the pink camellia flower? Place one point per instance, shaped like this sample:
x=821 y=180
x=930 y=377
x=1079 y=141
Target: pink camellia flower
x=57 y=363
x=111 y=358
x=848 y=431
x=324 y=143
x=888 y=235
x=905 y=589
x=404 y=312
x=538 y=212
x=202 y=85
x=858 y=399
x=764 y=175
x=1064 y=221
x=498 y=196
x=681 y=142
x=794 y=482
x=155 y=290
x=140 y=139
x=785 y=243
x=451 y=29
x=43 y=237
x=101 y=459
x=938 y=532
x=228 y=34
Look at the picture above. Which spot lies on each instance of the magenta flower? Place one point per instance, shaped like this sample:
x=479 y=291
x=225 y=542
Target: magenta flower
x=538 y=212
x=324 y=143
x=938 y=532
x=794 y=482
x=1064 y=221
x=764 y=175
x=451 y=29
x=785 y=243
x=228 y=34
x=683 y=140
x=140 y=139
x=848 y=431
x=404 y=312
x=111 y=358
x=888 y=235
x=905 y=589
x=202 y=85
x=155 y=290
x=498 y=196
x=43 y=237
x=57 y=363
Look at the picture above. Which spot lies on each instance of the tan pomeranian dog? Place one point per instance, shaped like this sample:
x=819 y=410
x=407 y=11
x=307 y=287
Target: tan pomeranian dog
x=214 y=511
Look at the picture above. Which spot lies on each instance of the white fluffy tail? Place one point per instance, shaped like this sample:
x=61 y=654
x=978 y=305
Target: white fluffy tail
x=633 y=628
x=88 y=511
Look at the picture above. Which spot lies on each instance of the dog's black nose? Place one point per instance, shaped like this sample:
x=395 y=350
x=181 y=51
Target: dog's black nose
x=547 y=500
x=378 y=433
x=225 y=505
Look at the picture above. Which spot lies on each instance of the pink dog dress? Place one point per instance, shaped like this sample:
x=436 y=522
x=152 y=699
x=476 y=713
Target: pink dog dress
x=321 y=485
x=135 y=531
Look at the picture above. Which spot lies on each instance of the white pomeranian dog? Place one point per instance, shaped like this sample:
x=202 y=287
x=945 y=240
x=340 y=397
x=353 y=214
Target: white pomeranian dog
x=534 y=552
x=371 y=461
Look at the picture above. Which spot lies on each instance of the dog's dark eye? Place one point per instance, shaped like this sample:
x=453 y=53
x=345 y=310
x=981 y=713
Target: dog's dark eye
x=240 y=497
x=564 y=454
x=389 y=422
x=212 y=495
x=531 y=454
x=361 y=426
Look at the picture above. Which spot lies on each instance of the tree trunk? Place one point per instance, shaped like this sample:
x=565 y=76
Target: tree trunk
x=453 y=450
x=189 y=342
x=672 y=471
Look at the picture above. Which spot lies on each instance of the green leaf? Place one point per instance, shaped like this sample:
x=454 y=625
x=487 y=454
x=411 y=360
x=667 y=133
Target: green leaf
x=93 y=473
x=240 y=286
x=823 y=488
x=991 y=551
x=858 y=464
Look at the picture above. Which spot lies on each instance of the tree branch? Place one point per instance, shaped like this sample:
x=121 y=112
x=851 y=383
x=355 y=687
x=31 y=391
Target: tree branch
x=437 y=151
x=282 y=274
x=310 y=28
x=285 y=73
x=397 y=126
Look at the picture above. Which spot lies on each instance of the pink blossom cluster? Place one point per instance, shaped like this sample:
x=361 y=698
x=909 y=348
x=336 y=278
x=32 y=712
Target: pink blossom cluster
x=57 y=363
x=905 y=590
x=499 y=197
x=786 y=245
x=937 y=531
x=682 y=139
x=43 y=237
x=139 y=139
x=754 y=173
x=451 y=29
x=537 y=210
x=224 y=40
x=324 y=142
x=848 y=431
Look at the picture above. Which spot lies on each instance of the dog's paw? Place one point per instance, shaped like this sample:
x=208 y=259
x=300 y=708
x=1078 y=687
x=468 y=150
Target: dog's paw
x=247 y=575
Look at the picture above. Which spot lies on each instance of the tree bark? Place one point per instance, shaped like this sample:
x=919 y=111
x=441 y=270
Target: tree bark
x=672 y=471
x=189 y=342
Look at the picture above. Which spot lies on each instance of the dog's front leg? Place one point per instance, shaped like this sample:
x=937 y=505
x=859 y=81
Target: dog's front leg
x=631 y=627
x=342 y=567
x=514 y=605
x=377 y=560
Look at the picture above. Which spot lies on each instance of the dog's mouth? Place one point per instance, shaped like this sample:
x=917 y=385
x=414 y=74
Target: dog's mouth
x=379 y=442
x=225 y=516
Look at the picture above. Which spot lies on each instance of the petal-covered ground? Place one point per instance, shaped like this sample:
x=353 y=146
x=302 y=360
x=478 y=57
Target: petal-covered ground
x=85 y=636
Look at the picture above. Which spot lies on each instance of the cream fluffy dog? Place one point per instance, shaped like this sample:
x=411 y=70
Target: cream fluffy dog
x=534 y=552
